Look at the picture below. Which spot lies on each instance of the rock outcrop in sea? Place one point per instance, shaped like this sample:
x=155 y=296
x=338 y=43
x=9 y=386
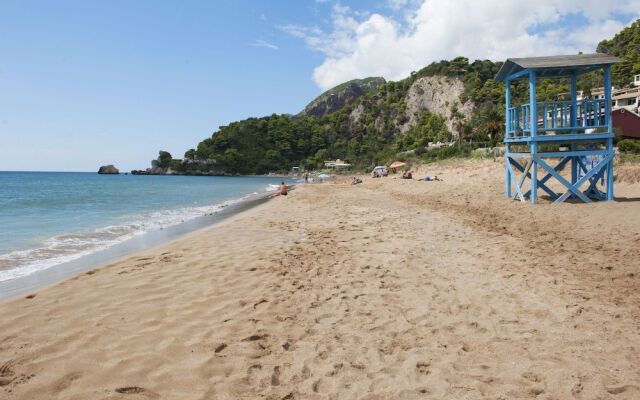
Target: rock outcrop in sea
x=108 y=170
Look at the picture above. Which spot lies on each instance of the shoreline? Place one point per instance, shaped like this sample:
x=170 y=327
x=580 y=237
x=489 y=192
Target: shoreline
x=389 y=289
x=38 y=280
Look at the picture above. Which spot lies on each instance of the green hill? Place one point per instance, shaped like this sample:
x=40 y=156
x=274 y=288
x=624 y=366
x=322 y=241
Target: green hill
x=371 y=121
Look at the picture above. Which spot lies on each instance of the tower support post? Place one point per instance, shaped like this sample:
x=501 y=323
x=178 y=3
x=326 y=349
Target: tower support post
x=574 y=123
x=533 y=106
x=609 y=125
x=507 y=100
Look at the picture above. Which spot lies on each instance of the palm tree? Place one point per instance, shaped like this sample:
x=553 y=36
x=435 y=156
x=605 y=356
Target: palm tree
x=492 y=121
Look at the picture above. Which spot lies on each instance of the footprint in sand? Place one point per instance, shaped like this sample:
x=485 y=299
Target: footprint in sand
x=357 y=365
x=305 y=373
x=131 y=390
x=66 y=381
x=275 y=377
x=532 y=376
x=336 y=369
x=220 y=347
x=620 y=389
x=253 y=338
x=423 y=367
x=6 y=375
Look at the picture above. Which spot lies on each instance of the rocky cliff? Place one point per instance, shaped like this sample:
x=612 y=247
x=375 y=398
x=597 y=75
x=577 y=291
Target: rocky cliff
x=439 y=95
x=335 y=99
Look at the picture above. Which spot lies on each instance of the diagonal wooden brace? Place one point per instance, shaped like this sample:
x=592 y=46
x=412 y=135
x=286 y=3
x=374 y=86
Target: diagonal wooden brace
x=575 y=189
x=525 y=173
x=594 y=182
x=541 y=182
x=566 y=183
x=588 y=176
x=513 y=178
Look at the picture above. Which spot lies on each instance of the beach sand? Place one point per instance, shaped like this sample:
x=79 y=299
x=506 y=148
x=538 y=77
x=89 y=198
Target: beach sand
x=390 y=289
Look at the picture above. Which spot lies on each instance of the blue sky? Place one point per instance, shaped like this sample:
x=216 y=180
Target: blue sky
x=85 y=83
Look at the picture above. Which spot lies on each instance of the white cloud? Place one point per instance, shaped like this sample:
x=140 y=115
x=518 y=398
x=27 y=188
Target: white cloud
x=359 y=45
x=263 y=43
x=397 y=4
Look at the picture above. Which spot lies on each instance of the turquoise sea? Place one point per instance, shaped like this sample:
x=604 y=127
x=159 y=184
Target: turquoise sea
x=49 y=218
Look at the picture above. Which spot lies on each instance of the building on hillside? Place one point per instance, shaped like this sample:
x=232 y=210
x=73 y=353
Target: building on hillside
x=337 y=164
x=628 y=98
x=636 y=80
x=596 y=93
x=627 y=122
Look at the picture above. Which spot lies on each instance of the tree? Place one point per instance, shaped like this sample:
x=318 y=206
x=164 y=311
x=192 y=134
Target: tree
x=164 y=159
x=190 y=154
x=492 y=122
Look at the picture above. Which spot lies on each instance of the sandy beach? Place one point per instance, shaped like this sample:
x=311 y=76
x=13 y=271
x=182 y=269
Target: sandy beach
x=391 y=289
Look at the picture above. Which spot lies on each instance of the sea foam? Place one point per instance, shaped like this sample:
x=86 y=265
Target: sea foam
x=68 y=247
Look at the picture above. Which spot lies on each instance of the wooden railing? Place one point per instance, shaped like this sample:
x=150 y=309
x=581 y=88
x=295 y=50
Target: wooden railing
x=557 y=117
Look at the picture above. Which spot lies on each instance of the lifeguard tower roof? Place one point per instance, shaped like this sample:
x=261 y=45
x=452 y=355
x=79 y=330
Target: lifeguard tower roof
x=554 y=65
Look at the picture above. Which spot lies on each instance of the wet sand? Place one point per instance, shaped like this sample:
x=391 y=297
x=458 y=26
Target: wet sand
x=390 y=289
x=46 y=277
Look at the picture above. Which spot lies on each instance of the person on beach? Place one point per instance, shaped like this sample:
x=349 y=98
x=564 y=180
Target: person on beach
x=283 y=189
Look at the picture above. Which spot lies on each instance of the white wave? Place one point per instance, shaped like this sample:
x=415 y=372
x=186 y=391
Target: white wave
x=68 y=247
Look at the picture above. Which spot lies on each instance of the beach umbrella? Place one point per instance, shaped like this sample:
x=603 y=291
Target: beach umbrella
x=397 y=164
x=324 y=176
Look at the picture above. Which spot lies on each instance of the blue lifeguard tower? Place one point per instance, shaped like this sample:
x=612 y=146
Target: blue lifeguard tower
x=575 y=132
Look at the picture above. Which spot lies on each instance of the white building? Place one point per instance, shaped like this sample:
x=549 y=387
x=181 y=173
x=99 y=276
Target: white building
x=629 y=99
x=337 y=164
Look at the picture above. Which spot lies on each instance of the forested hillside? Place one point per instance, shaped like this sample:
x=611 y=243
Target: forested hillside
x=369 y=130
x=626 y=45
x=445 y=101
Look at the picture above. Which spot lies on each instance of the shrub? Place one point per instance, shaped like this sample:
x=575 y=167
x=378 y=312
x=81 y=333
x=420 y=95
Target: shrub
x=629 y=146
x=420 y=151
x=448 y=152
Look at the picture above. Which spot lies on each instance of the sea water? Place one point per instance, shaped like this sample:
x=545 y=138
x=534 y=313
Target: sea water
x=49 y=218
